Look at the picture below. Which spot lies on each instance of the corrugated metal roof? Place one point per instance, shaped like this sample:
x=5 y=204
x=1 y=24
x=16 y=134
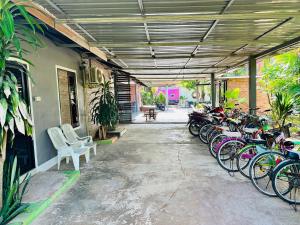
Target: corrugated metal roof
x=160 y=36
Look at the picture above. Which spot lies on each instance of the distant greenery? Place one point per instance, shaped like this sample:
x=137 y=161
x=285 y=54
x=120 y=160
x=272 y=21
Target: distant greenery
x=189 y=84
x=160 y=99
x=147 y=97
x=281 y=73
x=233 y=98
x=241 y=71
x=281 y=76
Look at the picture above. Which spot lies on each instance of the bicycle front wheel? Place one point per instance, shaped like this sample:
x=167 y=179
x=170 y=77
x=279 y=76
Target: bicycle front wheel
x=194 y=128
x=214 y=144
x=227 y=153
x=261 y=171
x=244 y=158
x=203 y=132
x=286 y=182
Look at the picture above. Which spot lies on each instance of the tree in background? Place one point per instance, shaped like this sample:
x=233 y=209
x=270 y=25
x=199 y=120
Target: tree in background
x=281 y=81
x=147 y=97
x=281 y=73
x=191 y=85
x=160 y=99
x=240 y=71
x=233 y=98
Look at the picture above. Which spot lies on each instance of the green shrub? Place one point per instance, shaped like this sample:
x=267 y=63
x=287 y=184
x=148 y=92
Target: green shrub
x=160 y=99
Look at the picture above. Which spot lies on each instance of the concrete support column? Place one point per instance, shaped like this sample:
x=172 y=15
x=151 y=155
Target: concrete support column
x=213 y=90
x=167 y=96
x=197 y=92
x=252 y=84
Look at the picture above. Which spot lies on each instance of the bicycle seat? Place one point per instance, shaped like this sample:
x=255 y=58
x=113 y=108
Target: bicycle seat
x=293 y=155
x=250 y=130
x=222 y=128
x=296 y=142
x=270 y=135
x=256 y=141
x=232 y=134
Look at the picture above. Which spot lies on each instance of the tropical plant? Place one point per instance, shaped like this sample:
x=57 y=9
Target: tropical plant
x=13 y=191
x=282 y=104
x=148 y=97
x=233 y=98
x=281 y=73
x=104 y=109
x=17 y=28
x=160 y=99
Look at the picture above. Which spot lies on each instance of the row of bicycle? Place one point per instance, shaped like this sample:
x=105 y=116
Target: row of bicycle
x=245 y=143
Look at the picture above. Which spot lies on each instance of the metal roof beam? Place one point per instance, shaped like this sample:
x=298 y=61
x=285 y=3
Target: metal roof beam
x=179 y=56
x=210 y=29
x=176 y=68
x=273 y=28
x=173 y=78
x=278 y=48
x=49 y=20
x=215 y=23
x=181 y=18
x=142 y=10
x=185 y=43
x=166 y=74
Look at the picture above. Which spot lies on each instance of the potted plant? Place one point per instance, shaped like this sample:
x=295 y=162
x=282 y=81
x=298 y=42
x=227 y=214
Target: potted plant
x=104 y=109
x=17 y=27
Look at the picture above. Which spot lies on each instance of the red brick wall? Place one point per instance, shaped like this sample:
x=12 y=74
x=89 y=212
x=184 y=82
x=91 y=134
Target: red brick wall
x=133 y=92
x=243 y=85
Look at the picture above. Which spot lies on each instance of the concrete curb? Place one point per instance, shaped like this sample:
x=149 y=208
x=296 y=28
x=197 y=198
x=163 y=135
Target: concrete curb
x=37 y=208
x=107 y=141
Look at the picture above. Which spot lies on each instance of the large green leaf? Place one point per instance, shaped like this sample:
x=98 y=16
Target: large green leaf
x=20 y=124
x=6 y=89
x=7 y=25
x=3 y=111
x=23 y=110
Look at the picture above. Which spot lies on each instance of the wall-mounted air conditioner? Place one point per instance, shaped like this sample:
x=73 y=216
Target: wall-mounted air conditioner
x=93 y=76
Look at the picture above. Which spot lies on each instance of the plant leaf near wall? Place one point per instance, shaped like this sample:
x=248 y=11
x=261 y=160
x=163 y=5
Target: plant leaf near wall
x=17 y=29
x=233 y=98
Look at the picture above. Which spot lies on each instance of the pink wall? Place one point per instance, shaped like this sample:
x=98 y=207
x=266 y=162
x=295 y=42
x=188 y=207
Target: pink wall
x=173 y=93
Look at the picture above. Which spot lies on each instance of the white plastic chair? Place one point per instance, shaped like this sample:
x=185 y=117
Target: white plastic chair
x=74 y=139
x=65 y=150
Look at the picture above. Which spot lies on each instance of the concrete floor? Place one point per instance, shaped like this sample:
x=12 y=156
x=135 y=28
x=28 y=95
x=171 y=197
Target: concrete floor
x=173 y=114
x=160 y=175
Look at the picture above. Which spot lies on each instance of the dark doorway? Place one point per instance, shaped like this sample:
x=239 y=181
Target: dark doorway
x=22 y=146
x=67 y=86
